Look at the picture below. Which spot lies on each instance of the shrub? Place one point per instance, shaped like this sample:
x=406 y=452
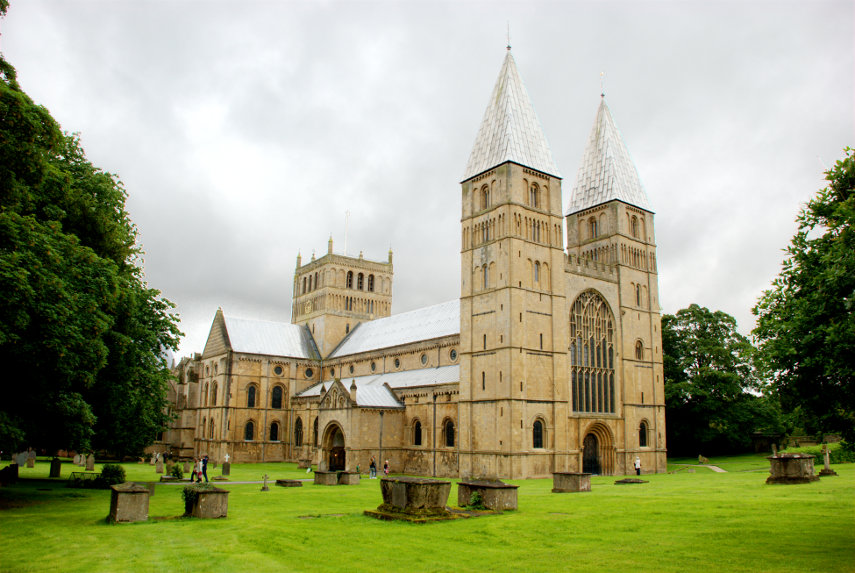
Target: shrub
x=112 y=474
x=176 y=471
x=840 y=453
x=476 y=501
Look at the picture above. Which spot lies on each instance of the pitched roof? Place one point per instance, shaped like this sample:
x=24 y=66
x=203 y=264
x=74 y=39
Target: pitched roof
x=373 y=391
x=607 y=172
x=271 y=338
x=510 y=130
x=421 y=324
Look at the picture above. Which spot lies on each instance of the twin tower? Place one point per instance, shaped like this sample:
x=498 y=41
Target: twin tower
x=560 y=353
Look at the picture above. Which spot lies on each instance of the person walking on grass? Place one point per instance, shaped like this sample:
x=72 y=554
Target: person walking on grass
x=205 y=467
x=386 y=467
x=637 y=466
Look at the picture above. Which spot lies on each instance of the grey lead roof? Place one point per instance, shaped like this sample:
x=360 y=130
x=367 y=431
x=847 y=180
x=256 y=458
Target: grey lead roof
x=510 y=130
x=421 y=324
x=271 y=338
x=372 y=390
x=607 y=171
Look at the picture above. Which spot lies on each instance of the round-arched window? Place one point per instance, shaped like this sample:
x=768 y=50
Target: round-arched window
x=249 y=431
x=537 y=434
x=448 y=430
x=417 y=433
x=276 y=398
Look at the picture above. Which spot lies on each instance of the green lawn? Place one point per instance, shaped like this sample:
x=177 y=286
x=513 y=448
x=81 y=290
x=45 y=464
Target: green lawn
x=677 y=522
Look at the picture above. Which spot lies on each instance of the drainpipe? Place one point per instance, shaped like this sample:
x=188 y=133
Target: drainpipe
x=433 y=434
x=381 y=436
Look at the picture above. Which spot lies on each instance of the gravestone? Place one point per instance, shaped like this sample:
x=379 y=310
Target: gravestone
x=227 y=469
x=21 y=459
x=265 y=477
x=128 y=503
x=151 y=462
x=90 y=463
x=55 y=468
x=210 y=503
x=158 y=467
x=31 y=461
x=774 y=449
x=76 y=460
x=186 y=467
x=826 y=458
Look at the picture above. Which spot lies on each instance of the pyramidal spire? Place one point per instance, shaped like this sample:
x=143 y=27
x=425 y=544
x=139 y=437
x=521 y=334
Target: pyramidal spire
x=607 y=171
x=510 y=130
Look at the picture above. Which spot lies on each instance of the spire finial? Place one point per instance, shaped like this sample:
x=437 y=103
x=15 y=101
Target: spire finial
x=509 y=35
x=602 y=84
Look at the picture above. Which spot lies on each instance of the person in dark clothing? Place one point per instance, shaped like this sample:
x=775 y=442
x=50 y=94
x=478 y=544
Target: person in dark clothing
x=205 y=467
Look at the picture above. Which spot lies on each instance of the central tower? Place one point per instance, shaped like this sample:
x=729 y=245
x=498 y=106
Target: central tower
x=512 y=307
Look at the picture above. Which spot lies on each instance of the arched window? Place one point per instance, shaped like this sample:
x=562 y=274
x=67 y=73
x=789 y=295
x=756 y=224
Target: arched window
x=592 y=374
x=534 y=196
x=214 y=394
x=276 y=398
x=349 y=283
x=250 y=396
x=594 y=228
x=315 y=432
x=370 y=283
x=249 y=431
x=639 y=350
x=633 y=226
x=211 y=429
x=205 y=396
x=360 y=280
x=536 y=272
x=537 y=434
x=486 y=277
x=304 y=285
x=642 y=435
x=204 y=427
x=417 y=433
x=298 y=432
x=483 y=380
x=274 y=432
x=316 y=280
x=637 y=295
x=485 y=197
x=448 y=430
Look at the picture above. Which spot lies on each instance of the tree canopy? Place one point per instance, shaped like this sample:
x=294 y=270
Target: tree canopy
x=712 y=393
x=82 y=336
x=805 y=322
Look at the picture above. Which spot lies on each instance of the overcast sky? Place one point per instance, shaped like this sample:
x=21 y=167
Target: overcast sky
x=243 y=131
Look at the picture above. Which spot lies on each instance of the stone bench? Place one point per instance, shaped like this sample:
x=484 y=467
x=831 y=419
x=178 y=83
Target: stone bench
x=495 y=494
x=567 y=482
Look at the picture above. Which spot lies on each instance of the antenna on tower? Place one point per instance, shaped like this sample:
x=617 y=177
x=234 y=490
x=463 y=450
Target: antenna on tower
x=602 y=84
x=509 y=35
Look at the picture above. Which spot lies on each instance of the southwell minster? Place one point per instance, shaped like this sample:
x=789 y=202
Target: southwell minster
x=550 y=359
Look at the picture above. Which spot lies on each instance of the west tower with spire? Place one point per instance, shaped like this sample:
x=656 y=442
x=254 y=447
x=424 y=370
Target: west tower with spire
x=512 y=305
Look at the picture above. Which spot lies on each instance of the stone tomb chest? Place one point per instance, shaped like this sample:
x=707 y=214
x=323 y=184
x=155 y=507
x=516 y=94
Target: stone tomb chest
x=495 y=494
x=413 y=499
x=128 y=503
x=565 y=482
x=791 y=468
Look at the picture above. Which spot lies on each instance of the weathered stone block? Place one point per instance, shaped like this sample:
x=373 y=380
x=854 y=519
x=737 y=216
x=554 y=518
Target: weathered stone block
x=326 y=478
x=791 y=468
x=414 y=495
x=348 y=478
x=55 y=468
x=128 y=503
x=289 y=483
x=495 y=494
x=209 y=503
x=566 y=482
x=227 y=468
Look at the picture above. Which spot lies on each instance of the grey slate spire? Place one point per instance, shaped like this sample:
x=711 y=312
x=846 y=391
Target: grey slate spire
x=607 y=171
x=510 y=130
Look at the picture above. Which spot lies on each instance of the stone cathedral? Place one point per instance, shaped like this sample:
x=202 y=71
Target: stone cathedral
x=550 y=360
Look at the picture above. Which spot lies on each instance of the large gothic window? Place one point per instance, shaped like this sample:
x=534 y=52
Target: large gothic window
x=592 y=371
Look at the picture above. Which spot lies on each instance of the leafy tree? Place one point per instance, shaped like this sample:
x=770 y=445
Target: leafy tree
x=805 y=322
x=82 y=337
x=712 y=399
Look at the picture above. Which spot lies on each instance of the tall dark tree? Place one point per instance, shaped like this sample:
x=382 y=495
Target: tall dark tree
x=712 y=400
x=806 y=321
x=82 y=337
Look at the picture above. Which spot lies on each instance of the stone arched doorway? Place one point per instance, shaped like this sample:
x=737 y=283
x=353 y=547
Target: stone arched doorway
x=334 y=448
x=591 y=455
x=598 y=452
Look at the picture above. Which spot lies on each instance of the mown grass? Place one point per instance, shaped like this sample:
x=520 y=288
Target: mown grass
x=677 y=522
